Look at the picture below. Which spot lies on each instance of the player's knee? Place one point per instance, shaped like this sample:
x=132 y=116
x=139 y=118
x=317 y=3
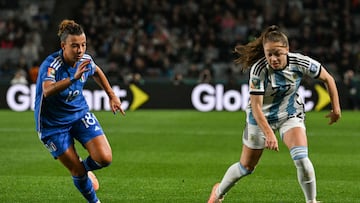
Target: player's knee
x=105 y=160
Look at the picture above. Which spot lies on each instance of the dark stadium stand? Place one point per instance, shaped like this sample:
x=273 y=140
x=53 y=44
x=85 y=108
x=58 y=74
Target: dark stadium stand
x=157 y=40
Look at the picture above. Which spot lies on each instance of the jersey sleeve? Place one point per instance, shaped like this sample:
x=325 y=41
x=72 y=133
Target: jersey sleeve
x=50 y=74
x=49 y=67
x=309 y=66
x=92 y=65
x=257 y=78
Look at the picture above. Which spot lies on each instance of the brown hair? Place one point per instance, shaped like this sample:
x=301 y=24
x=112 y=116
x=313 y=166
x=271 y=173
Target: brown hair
x=69 y=27
x=253 y=51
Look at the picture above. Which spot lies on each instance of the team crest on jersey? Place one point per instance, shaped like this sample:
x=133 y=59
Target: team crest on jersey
x=295 y=76
x=82 y=79
x=51 y=72
x=255 y=83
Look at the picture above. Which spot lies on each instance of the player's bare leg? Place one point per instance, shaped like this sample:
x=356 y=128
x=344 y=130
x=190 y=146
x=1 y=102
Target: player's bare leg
x=100 y=153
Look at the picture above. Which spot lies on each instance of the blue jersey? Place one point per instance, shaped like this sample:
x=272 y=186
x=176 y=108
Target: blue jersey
x=279 y=87
x=66 y=106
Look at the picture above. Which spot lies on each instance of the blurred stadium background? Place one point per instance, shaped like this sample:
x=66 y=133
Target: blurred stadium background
x=169 y=43
x=156 y=54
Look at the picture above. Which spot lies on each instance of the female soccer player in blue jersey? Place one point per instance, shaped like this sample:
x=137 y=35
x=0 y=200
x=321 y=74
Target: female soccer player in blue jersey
x=62 y=114
x=275 y=76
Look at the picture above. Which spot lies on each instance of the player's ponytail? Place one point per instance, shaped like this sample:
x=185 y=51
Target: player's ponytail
x=69 y=27
x=253 y=51
x=248 y=54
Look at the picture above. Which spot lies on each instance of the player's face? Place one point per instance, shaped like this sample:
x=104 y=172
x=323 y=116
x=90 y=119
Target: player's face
x=74 y=48
x=276 y=54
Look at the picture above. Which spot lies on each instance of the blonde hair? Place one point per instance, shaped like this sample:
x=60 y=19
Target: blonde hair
x=253 y=51
x=69 y=27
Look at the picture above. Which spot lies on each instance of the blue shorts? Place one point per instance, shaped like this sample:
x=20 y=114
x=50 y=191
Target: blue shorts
x=58 y=140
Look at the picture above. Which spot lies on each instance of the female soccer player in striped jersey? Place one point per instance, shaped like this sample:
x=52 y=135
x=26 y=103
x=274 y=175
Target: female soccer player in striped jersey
x=62 y=114
x=275 y=77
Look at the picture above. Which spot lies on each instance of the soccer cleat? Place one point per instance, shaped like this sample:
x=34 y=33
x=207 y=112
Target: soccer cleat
x=213 y=198
x=94 y=180
x=314 y=201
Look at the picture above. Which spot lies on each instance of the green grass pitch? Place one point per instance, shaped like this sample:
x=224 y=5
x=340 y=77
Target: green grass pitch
x=176 y=156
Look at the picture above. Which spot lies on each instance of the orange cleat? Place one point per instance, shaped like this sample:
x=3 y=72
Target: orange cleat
x=213 y=198
x=94 y=180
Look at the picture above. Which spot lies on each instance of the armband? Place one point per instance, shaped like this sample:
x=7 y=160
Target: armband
x=72 y=79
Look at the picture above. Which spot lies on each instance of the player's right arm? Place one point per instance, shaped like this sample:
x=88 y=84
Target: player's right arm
x=50 y=87
x=257 y=91
x=53 y=87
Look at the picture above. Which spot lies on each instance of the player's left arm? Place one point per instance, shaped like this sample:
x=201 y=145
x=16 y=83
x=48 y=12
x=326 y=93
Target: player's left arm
x=103 y=82
x=330 y=84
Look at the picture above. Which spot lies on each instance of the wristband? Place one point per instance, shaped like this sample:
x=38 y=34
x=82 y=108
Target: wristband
x=72 y=79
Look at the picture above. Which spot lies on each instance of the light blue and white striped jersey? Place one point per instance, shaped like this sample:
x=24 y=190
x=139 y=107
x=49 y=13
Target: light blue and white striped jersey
x=279 y=87
x=67 y=106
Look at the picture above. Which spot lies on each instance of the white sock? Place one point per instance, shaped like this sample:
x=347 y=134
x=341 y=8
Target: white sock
x=306 y=177
x=234 y=173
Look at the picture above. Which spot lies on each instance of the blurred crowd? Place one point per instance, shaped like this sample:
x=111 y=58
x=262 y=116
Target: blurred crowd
x=183 y=41
x=193 y=40
x=22 y=24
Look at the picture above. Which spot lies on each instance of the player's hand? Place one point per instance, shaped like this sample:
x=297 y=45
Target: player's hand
x=115 y=105
x=271 y=143
x=81 y=69
x=334 y=116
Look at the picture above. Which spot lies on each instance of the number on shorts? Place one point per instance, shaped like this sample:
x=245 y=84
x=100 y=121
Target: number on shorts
x=89 y=119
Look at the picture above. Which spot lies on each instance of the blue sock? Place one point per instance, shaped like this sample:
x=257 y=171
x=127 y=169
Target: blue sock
x=91 y=165
x=84 y=185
